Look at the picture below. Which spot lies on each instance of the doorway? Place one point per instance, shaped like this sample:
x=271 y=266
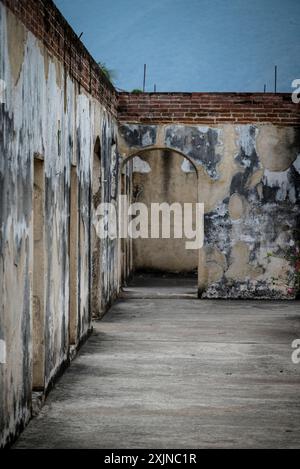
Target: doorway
x=163 y=176
x=38 y=329
x=73 y=258
x=95 y=240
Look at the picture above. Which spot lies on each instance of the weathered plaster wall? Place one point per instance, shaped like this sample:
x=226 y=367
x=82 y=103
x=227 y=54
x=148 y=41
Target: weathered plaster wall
x=158 y=177
x=56 y=103
x=248 y=177
x=45 y=113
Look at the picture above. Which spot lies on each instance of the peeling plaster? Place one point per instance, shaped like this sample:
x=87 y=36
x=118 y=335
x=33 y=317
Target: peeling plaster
x=248 y=179
x=280 y=180
x=44 y=113
x=198 y=143
x=140 y=166
x=278 y=147
x=187 y=166
x=138 y=135
x=296 y=164
x=246 y=202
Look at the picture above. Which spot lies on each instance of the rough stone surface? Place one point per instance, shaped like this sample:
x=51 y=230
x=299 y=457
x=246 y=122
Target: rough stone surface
x=162 y=371
x=248 y=178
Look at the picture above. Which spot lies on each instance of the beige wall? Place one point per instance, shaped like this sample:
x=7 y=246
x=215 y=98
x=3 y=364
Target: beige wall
x=164 y=177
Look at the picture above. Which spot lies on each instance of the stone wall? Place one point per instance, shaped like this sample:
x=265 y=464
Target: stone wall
x=249 y=182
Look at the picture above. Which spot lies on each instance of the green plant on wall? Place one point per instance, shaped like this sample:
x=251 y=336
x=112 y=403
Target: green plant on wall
x=108 y=72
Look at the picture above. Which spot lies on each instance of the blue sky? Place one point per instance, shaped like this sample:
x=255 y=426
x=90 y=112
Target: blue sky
x=192 y=45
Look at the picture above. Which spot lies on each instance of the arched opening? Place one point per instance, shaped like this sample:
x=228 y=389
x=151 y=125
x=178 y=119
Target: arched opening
x=156 y=176
x=95 y=240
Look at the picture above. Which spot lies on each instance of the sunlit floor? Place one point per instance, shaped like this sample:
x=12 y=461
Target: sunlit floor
x=166 y=370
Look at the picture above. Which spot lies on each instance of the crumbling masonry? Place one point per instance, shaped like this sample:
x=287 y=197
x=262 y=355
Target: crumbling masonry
x=65 y=136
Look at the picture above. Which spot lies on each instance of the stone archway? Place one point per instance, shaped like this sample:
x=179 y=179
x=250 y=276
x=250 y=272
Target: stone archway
x=201 y=146
x=167 y=166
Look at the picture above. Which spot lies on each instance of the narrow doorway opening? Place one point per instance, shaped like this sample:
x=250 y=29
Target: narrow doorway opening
x=126 y=243
x=95 y=240
x=167 y=179
x=73 y=257
x=38 y=323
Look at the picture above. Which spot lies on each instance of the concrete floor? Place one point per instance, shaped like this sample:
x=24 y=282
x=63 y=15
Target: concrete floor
x=165 y=370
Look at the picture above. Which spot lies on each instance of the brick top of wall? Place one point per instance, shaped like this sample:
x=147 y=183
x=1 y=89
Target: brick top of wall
x=208 y=108
x=45 y=21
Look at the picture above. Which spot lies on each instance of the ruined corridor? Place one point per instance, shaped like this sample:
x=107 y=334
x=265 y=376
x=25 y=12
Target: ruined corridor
x=208 y=351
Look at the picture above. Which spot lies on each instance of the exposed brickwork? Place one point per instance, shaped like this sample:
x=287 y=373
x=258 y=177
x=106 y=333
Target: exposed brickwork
x=208 y=108
x=44 y=20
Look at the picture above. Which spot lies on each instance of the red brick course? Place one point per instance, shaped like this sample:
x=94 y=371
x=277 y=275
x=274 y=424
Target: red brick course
x=208 y=108
x=45 y=21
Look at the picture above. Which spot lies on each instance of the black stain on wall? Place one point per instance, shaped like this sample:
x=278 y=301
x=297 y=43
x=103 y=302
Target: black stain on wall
x=248 y=161
x=138 y=135
x=200 y=146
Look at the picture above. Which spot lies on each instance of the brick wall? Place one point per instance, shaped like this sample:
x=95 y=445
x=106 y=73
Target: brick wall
x=44 y=20
x=208 y=108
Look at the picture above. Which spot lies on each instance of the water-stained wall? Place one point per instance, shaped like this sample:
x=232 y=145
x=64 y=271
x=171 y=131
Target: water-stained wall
x=46 y=116
x=56 y=110
x=249 y=182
